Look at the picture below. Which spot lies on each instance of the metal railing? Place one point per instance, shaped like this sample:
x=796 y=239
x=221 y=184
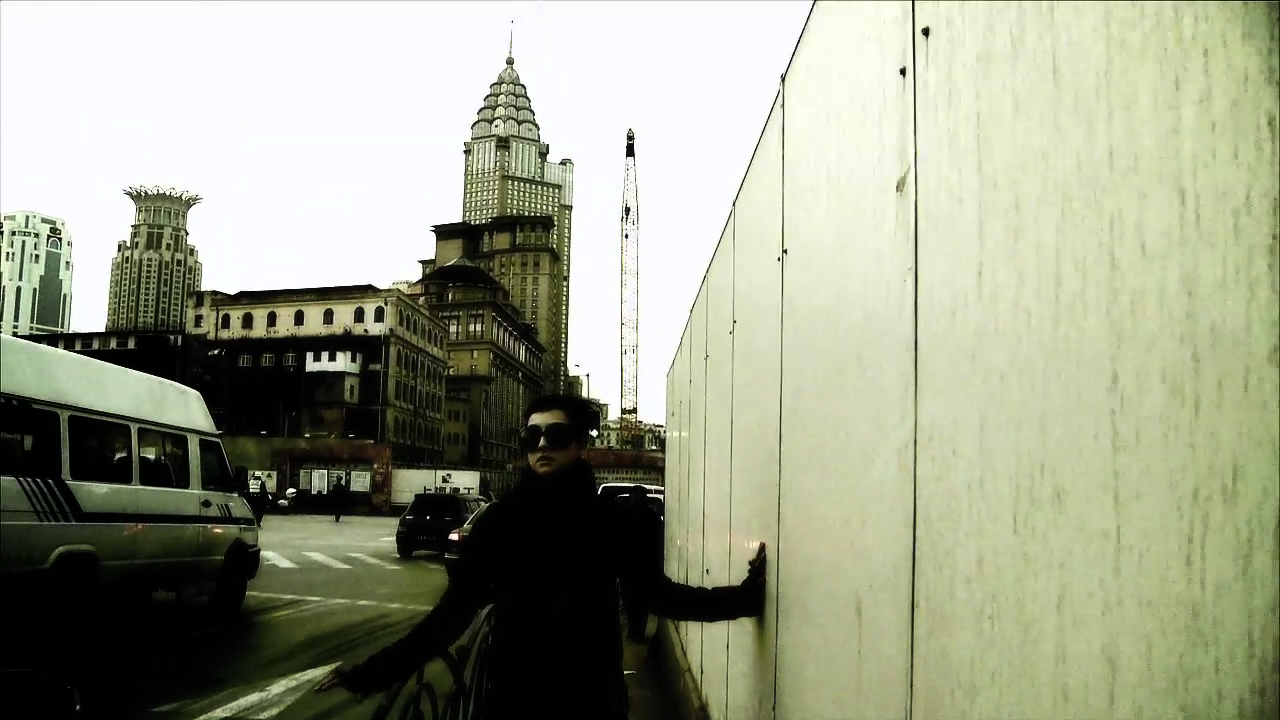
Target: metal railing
x=459 y=697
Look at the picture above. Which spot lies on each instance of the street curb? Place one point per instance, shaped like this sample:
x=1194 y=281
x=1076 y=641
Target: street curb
x=682 y=697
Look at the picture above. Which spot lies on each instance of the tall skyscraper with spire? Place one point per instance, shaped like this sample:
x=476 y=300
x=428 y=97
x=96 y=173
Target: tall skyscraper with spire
x=507 y=174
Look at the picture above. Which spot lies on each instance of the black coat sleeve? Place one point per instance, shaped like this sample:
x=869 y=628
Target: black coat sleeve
x=642 y=574
x=444 y=624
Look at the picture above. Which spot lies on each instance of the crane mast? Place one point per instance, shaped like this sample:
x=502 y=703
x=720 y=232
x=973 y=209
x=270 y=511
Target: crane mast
x=630 y=299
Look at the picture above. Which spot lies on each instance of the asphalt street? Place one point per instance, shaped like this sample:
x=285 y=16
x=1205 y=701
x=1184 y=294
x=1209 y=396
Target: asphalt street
x=327 y=593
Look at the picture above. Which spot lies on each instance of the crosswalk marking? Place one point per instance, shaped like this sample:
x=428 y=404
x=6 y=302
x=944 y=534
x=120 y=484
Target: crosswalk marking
x=276 y=559
x=373 y=561
x=339 y=601
x=293 y=559
x=326 y=560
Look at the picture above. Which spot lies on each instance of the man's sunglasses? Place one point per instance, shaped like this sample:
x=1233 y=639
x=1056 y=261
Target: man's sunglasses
x=558 y=436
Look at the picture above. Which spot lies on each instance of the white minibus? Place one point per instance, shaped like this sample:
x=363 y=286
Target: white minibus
x=115 y=480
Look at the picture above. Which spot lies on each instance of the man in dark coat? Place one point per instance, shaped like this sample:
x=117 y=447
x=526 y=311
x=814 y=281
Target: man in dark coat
x=645 y=528
x=338 y=496
x=555 y=631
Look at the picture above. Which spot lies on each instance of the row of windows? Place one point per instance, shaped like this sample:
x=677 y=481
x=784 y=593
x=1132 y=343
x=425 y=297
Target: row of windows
x=160 y=215
x=103 y=451
x=291 y=359
x=299 y=318
x=418 y=328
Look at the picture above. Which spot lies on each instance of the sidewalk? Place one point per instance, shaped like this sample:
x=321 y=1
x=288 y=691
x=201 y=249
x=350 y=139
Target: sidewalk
x=643 y=682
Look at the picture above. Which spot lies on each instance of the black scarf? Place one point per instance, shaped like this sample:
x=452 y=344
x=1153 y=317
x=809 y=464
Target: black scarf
x=572 y=486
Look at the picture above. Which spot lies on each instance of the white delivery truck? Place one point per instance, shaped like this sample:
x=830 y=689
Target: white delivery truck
x=406 y=482
x=112 y=479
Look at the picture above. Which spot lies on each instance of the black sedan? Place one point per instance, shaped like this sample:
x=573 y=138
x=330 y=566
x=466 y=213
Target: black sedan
x=457 y=537
x=430 y=518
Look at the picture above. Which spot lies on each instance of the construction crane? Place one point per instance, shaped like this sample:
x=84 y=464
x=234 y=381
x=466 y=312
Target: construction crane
x=629 y=437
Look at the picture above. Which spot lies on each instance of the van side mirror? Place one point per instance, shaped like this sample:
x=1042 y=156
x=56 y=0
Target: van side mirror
x=242 y=478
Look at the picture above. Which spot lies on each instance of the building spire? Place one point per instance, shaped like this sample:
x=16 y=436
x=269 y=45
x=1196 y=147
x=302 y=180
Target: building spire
x=511 y=41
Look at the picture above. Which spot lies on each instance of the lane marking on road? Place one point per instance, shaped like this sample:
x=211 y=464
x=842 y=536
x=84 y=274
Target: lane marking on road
x=373 y=561
x=326 y=560
x=269 y=701
x=297 y=610
x=386 y=539
x=341 y=601
x=276 y=559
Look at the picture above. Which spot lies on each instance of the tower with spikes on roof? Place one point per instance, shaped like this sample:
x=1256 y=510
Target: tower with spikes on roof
x=506 y=173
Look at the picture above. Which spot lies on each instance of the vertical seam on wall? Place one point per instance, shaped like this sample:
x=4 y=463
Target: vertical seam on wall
x=687 y=425
x=702 y=546
x=733 y=345
x=915 y=362
x=782 y=309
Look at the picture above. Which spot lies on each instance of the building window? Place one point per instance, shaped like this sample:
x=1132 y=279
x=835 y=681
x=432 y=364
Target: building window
x=246 y=321
x=380 y=314
x=328 y=316
x=199 y=321
x=358 y=317
x=298 y=318
x=271 y=319
x=333 y=356
x=225 y=322
x=315 y=356
x=290 y=359
x=246 y=360
x=268 y=359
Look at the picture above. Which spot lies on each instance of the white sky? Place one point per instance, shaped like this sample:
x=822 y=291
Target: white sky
x=326 y=138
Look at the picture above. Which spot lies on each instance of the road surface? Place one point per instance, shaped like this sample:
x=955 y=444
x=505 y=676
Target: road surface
x=327 y=593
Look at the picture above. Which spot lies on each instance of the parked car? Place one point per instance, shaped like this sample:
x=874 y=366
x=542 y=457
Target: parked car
x=429 y=519
x=657 y=503
x=459 y=536
x=614 y=490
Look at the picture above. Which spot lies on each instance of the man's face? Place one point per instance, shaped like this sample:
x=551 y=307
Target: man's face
x=557 y=445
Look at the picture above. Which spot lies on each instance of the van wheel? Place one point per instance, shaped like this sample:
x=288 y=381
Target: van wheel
x=74 y=586
x=231 y=587
x=404 y=551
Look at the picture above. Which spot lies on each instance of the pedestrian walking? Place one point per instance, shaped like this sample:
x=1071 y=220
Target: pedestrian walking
x=555 y=626
x=645 y=528
x=338 y=497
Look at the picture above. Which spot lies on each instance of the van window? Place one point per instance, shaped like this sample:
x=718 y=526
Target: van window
x=100 y=450
x=215 y=473
x=162 y=459
x=30 y=442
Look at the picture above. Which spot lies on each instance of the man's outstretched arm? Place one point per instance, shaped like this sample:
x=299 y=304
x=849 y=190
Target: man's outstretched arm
x=677 y=601
x=433 y=635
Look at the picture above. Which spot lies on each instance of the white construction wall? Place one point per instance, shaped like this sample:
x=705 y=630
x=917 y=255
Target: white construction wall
x=988 y=355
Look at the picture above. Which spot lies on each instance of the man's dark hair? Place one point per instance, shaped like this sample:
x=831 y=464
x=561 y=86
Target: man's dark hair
x=581 y=413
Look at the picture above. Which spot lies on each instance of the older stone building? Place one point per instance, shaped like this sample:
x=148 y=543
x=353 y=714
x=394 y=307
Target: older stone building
x=331 y=379
x=520 y=252
x=495 y=366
